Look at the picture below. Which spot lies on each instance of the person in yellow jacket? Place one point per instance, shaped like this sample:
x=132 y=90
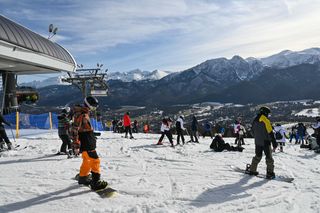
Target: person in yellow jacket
x=263 y=137
x=84 y=141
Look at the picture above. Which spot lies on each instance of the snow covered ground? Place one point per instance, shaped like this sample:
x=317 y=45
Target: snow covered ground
x=154 y=178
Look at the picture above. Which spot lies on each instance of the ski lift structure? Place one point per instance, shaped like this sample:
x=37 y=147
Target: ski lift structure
x=91 y=82
x=27 y=95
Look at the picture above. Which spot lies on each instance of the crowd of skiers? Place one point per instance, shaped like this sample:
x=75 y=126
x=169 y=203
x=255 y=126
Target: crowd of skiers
x=266 y=136
x=78 y=136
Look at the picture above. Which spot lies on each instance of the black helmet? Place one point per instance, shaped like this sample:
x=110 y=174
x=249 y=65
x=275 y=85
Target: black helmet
x=264 y=110
x=91 y=102
x=318 y=118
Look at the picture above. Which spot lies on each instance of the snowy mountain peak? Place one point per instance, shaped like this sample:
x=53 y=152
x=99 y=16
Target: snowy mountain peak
x=137 y=75
x=290 y=58
x=44 y=83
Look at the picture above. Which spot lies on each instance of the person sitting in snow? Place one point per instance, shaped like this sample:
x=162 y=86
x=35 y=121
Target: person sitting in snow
x=218 y=145
x=165 y=131
x=84 y=141
x=3 y=134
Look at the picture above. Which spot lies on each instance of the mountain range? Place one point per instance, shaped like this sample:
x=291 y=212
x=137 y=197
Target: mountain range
x=288 y=75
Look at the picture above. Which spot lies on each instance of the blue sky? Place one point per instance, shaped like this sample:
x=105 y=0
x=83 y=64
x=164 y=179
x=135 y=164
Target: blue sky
x=170 y=34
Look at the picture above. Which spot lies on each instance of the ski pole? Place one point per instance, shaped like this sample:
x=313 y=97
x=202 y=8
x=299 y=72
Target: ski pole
x=14 y=139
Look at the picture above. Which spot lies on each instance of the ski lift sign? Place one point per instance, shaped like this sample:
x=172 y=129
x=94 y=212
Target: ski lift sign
x=99 y=92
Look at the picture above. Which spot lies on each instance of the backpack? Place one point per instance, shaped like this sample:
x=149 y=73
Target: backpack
x=278 y=136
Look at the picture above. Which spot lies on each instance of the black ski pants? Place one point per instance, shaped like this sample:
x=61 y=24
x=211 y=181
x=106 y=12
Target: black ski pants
x=194 y=134
x=257 y=158
x=180 y=134
x=127 y=129
x=168 y=134
x=4 y=136
x=66 y=142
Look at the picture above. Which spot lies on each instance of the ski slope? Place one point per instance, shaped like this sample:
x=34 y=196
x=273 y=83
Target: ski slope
x=154 y=179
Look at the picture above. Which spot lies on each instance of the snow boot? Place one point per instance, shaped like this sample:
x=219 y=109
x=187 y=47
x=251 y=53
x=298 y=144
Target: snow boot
x=240 y=149
x=97 y=184
x=270 y=175
x=9 y=145
x=159 y=143
x=1 y=145
x=249 y=172
x=85 y=180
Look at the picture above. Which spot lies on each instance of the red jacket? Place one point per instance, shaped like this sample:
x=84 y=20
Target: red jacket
x=126 y=120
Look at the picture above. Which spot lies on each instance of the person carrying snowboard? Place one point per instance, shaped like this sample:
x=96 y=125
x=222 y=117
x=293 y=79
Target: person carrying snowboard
x=84 y=140
x=3 y=133
x=263 y=137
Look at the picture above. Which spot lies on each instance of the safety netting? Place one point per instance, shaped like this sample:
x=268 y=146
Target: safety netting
x=42 y=121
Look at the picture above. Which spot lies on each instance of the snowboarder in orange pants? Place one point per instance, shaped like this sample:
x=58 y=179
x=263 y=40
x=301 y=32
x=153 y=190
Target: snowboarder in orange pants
x=84 y=141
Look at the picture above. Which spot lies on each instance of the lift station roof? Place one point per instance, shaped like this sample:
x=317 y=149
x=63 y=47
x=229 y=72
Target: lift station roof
x=23 y=51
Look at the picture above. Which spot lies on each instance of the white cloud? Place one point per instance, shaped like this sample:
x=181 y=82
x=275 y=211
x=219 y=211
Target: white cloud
x=193 y=30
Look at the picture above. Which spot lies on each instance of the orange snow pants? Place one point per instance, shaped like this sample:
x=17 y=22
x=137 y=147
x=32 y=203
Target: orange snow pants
x=90 y=162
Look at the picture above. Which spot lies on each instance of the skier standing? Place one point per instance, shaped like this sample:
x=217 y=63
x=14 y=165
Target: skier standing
x=301 y=133
x=127 y=125
x=263 y=137
x=165 y=131
x=236 y=131
x=316 y=128
x=85 y=140
x=194 y=130
x=241 y=133
x=293 y=134
x=64 y=124
x=180 y=128
x=207 y=129
x=280 y=134
x=3 y=134
x=135 y=126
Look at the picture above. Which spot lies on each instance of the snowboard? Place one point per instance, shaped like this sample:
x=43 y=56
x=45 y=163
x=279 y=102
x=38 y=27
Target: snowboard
x=278 y=177
x=15 y=148
x=107 y=192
